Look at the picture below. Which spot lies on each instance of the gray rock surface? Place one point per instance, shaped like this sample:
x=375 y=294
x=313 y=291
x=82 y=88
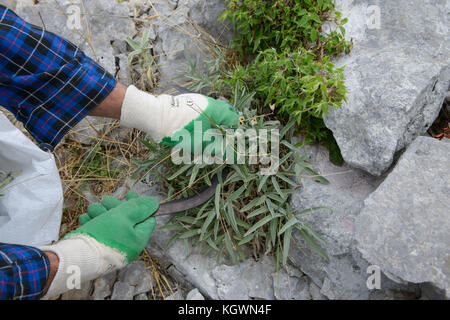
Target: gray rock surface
x=177 y=25
x=134 y=280
x=430 y=292
x=122 y=291
x=314 y=291
x=83 y=293
x=133 y=273
x=145 y=285
x=291 y=284
x=103 y=286
x=141 y=296
x=11 y=4
x=194 y=295
x=249 y=280
x=404 y=226
x=223 y=280
x=177 y=295
x=344 y=276
x=136 y=274
x=397 y=76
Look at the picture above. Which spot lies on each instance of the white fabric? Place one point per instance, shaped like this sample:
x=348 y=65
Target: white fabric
x=31 y=208
x=90 y=258
x=160 y=116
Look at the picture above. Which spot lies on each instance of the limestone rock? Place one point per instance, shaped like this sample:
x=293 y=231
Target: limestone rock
x=314 y=291
x=145 y=285
x=177 y=295
x=290 y=284
x=132 y=273
x=404 y=226
x=189 y=24
x=194 y=268
x=122 y=291
x=343 y=277
x=11 y=4
x=141 y=296
x=194 y=295
x=251 y=279
x=103 y=286
x=79 y=294
x=397 y=77
x=223 y=280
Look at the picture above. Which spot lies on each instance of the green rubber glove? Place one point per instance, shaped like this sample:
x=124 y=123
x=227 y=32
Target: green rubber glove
x=217 y=112
x=165 y=116
x=125 y=226
x=112 y=234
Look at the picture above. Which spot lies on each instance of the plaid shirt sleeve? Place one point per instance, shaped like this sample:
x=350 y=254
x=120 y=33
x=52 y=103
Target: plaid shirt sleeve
x=46 y=81
x=24 y=272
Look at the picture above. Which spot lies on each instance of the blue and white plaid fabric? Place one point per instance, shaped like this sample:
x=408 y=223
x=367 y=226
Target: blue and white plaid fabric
x=24 y=272
x=46 y=81
x=49 y=85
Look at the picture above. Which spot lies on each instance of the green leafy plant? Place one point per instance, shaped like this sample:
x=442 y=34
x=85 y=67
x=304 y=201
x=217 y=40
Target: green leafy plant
x=250 y=212
x=295 y=82
x=286 y=25
x=142 y=55
x=282 y=52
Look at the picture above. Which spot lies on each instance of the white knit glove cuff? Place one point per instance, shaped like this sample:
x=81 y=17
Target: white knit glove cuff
x=81 y=259
x=160 y=116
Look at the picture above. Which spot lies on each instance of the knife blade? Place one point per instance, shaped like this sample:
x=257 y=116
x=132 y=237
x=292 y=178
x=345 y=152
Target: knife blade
x=202 y=197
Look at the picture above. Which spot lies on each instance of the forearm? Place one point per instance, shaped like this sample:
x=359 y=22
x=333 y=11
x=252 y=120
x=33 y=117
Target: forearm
x=111 y=107
x=54 y=263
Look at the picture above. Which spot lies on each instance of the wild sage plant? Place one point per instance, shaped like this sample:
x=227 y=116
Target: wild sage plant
x=143 y=56
x=250 y=212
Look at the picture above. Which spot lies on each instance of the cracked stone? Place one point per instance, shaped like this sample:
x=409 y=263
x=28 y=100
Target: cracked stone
x=194 y=295
x=122 y=291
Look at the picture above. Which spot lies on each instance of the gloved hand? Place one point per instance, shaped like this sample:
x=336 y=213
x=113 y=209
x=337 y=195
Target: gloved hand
x=163 y=116
x=112 y=234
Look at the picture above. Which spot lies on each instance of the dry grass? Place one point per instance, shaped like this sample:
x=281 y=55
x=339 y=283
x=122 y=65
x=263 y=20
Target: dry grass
x=164 y=284
x=99 y=169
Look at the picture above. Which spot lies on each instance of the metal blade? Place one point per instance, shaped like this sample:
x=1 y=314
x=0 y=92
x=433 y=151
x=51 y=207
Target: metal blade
x=191 y=202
